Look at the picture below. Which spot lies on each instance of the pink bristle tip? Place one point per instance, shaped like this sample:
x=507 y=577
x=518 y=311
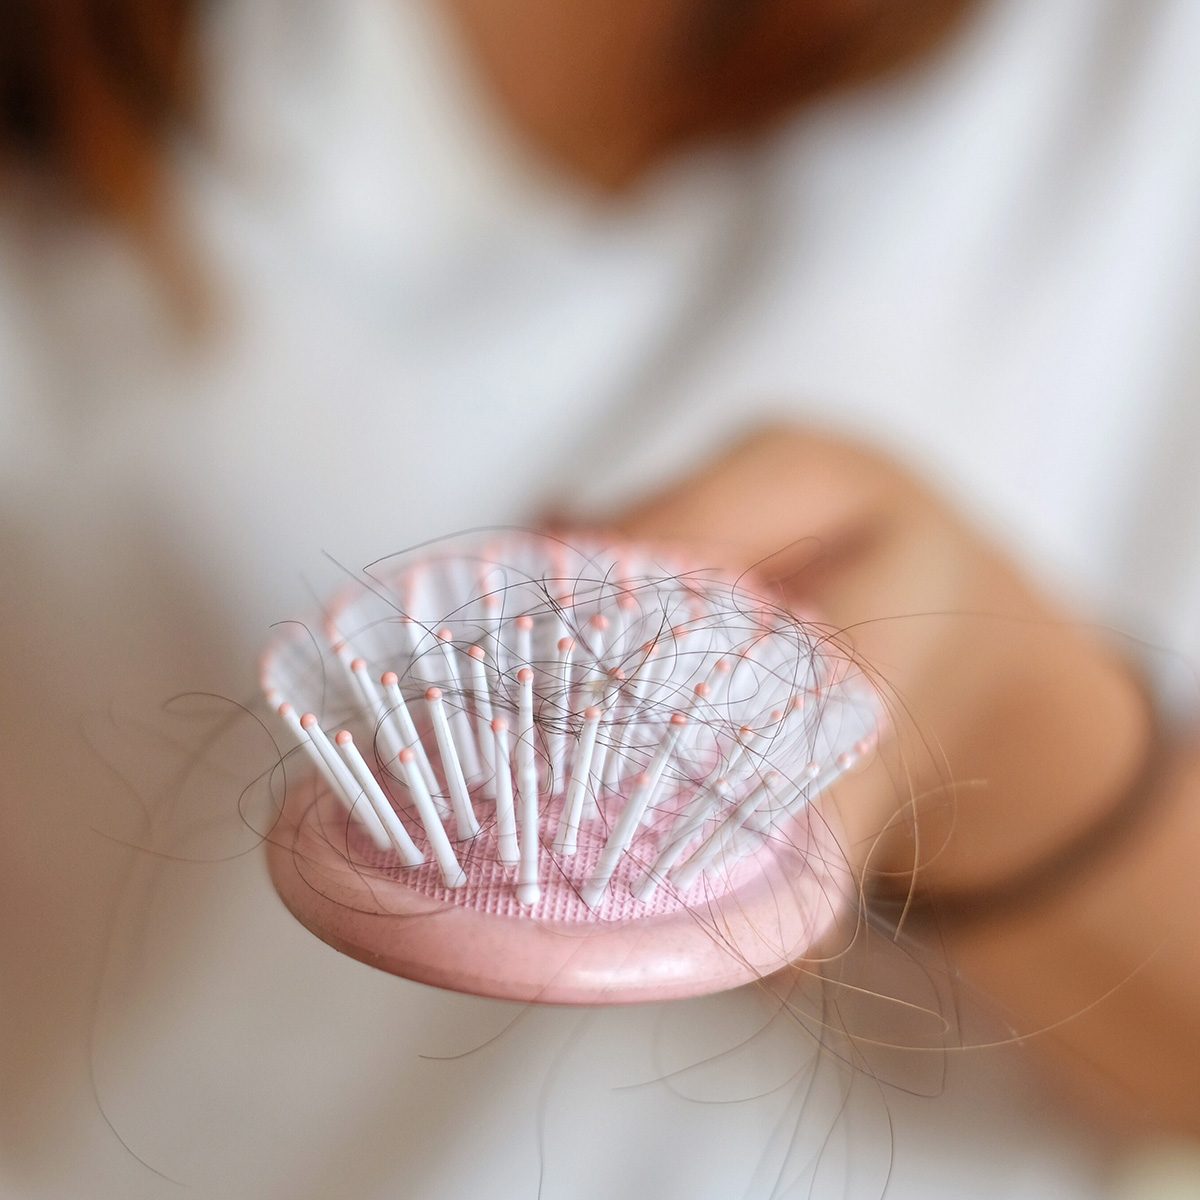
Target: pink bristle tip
x=566 y=765
x=845 y=761
x=307 y=721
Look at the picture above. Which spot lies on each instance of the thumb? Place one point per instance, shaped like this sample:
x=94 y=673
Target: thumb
x=792 y=505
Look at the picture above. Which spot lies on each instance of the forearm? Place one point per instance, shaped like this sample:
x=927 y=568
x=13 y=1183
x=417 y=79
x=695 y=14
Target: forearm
x=1012 y=732
x=1104 y=972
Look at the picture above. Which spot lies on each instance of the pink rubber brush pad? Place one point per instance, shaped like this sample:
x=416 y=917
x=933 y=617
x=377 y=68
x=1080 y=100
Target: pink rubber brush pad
x=749 y=917
x=727 y=930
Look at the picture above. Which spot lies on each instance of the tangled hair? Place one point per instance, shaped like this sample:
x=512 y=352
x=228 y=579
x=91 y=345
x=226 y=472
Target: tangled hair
x=89 y=92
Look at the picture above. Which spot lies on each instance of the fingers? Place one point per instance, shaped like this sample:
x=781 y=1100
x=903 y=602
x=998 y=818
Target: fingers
x=778 y=492
x=803 y=511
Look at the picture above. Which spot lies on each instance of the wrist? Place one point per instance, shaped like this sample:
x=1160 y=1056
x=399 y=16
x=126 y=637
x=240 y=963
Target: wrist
x=1044 y=767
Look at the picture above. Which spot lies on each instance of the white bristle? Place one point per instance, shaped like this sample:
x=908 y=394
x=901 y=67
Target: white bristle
x=613 y=765
x=506 y=822
x=599 y=762
x=410 y=632
x=366 y=685
x=382 y=806
x=349 y=789
x=523 y=640
x=744 y=742
x=338 y=784
x=600 y=726
x=481 y=702
x=633 y=694
x=813 y=780
x=596 y=679
x=624 y=620
x=528 y=890
x=460 y=720
x=581 y=773
x=399 y=718
x=563 y=710
x=460 y=796
x=689 y=825
x=562 y=628
x=292 y=720
x=375 y=709
x=644 y=792
x=452 y=873
x=608 y=690
x=723 y=836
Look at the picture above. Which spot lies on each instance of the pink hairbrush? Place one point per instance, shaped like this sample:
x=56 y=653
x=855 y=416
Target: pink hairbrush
x=564 y=774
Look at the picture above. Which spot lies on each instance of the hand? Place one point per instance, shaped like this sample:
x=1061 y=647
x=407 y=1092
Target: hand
x=1013 y=728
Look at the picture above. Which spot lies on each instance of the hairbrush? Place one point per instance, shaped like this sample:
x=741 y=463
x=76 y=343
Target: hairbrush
x=569 y=773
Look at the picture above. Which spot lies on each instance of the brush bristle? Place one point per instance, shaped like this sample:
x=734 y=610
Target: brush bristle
x=572 y=732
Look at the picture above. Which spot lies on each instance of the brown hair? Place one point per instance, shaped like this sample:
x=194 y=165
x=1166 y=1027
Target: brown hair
x=89 y=90
x=608 y=87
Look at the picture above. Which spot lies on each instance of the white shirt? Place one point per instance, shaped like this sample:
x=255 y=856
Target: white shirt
x=990 y=266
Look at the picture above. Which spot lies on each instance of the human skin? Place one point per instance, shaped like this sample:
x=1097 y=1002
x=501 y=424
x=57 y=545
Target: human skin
x=1014 y=730
x=607 y=90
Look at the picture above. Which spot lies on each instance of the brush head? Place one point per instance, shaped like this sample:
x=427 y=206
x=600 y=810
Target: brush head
x=577 y=774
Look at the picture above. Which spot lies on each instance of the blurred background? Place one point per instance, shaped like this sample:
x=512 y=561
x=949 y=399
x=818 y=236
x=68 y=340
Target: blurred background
x=289 y=285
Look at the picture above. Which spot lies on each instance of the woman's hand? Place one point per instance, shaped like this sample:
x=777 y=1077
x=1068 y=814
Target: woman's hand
x=1013 y=729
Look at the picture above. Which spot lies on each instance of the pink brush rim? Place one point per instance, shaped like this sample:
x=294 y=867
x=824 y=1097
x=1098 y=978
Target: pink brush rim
x=568 y=934
x=778 y=917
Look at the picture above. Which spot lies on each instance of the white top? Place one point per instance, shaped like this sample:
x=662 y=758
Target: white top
x=991 y=266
